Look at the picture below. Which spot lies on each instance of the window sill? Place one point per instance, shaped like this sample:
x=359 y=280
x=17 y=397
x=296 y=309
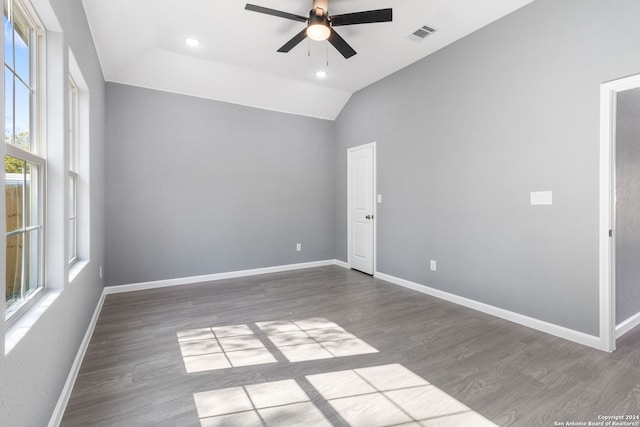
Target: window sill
x=20 y=328
x=76 y=268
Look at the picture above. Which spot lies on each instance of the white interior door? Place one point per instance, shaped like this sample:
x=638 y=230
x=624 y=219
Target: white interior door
x=361 y=170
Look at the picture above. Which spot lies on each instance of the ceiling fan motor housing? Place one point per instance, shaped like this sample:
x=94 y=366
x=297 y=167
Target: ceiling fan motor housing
x=318 y=19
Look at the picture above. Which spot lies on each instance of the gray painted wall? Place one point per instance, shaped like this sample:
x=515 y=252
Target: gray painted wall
x=464 y=136
x=627 y=204
x=199 y=187
x=35 y=371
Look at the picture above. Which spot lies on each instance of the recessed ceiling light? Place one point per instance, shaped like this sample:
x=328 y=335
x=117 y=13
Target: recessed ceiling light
x=192 y=42
x=321 y=74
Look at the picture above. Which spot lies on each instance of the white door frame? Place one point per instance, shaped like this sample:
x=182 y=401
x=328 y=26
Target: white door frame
x=608 y=98
x=375 y=204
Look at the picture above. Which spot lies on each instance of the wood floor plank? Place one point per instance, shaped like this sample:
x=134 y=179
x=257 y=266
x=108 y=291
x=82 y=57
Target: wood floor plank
x=134 y=371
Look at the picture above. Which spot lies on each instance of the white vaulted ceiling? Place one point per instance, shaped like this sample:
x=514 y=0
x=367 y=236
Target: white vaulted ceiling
x=141 y=43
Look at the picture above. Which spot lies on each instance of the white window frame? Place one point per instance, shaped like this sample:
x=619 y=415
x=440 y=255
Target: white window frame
x=79 y=167
x=73 y=169
x=37 y=155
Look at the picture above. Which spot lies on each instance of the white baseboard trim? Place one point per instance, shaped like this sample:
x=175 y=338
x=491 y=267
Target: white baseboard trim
x=627 y=325
x=540 y=325
x=61 y=405
x=340 y=263
x=213 y=277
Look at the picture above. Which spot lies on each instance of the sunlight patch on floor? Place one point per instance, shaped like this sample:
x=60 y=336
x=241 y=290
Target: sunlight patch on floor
x=312 y=339
x=377 y=396
x=208 y=349
x=392 y=395
x=272 y=403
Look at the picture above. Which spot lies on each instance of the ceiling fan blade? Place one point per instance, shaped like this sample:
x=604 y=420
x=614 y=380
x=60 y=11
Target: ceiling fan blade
x=368 y=17
x=278 y=13
x=341 y=45
x=294 y=41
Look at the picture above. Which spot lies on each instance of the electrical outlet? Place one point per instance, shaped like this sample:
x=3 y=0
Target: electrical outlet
x=298 y=247
x=433 y=265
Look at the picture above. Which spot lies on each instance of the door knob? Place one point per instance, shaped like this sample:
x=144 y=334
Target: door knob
x=369 y=217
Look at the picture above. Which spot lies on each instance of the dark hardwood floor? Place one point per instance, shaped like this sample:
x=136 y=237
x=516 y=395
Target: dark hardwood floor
x=329 y=346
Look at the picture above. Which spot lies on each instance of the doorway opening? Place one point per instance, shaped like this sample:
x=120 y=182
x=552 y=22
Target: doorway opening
x=611 y=326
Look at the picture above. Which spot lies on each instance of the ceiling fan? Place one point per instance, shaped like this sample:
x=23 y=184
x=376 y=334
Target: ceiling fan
x=320 y=24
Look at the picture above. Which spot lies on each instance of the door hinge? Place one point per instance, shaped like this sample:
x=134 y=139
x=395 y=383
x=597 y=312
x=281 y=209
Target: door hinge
x=610 y=233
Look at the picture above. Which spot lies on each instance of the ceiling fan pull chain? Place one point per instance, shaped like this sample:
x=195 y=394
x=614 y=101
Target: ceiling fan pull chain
x=327 y=45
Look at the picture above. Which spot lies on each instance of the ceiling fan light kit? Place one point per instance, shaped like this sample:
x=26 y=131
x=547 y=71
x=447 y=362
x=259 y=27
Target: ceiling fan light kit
x=320 y=25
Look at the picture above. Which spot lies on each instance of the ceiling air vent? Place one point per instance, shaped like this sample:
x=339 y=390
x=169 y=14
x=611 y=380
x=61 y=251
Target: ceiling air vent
x=422 y=33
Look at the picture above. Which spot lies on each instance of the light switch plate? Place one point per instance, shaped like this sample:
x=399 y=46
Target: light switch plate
x=379 y=198
x=541 y=197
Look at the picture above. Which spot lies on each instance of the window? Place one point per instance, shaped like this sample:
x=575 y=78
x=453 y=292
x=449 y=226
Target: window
x=73 y=171
x=78 y=144
x=24 y=160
